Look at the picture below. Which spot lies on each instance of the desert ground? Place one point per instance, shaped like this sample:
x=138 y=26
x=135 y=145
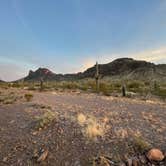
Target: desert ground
x=56 y=128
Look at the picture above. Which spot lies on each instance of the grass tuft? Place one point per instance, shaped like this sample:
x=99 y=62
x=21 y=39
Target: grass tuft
x=28 y=97
x=44 y=120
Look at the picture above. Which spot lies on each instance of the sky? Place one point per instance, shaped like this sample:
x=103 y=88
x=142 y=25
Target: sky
x=68 y=36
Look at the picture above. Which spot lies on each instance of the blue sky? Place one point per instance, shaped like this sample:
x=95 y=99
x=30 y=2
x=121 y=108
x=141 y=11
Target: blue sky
x=70 y=35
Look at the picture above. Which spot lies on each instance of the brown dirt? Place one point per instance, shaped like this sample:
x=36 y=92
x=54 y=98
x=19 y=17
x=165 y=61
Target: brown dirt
x=66 y=139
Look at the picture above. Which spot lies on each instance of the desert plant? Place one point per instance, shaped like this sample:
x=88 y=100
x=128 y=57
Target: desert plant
x=28 y=97
x=104 y=88
x=45 y=119
x=91 y=127
x=140 y=145
x=123 y=91
x=160 y=92
x=9 y=101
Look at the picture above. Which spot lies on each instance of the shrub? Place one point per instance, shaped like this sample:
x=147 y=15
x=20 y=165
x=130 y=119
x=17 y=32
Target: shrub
x=9 y=101
x=44 y=120
x=160 y=92
x=140 y=145
x=28 y=97
x=104 y=89
x=134 y=85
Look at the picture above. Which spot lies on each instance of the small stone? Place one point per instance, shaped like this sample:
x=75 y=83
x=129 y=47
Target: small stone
x=129 y=162
x=143 y=159
x=122 y=164
x=43 y=156
x=135 y=162
x=4 y=159
x=155 y=155
x=34 y=133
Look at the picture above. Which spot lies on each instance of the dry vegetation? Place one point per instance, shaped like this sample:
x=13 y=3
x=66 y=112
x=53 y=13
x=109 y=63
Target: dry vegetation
x=28 y=97
x=91 y=127
x=144 y=89
x=44 y=120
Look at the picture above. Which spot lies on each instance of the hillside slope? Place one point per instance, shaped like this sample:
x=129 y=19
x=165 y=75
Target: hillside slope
x=120 y=68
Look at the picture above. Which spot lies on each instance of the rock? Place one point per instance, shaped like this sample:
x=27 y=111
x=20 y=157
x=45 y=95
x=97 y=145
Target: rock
x=103 y=161
x=143 y=159
x=155 y=155
x=43 y=156
x=122 y=164
x=135 y=162
x=5 y=159
x=129 y=162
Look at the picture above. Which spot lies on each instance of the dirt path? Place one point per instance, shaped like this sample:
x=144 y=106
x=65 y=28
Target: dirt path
x=67 y=138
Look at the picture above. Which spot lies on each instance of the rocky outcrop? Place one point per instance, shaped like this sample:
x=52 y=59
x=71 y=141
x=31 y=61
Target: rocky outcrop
x=119 y=68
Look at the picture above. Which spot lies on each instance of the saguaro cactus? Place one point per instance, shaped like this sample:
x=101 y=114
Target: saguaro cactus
x=123 y=90
x=97 y=77
x=41 y=83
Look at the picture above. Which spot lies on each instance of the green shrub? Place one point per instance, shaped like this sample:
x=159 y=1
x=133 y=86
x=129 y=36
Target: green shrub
x=16 y=85
x=28 y=97
x=45 y=119
x=161 y=92
x=134 y=85
x=104 y=88
x=140 y=145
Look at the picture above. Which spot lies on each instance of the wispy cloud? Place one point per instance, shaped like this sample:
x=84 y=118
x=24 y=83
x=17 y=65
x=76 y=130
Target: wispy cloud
x=153 y=55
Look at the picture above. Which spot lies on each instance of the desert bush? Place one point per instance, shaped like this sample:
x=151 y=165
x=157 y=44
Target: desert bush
x=28 y=97
x=44 y=120
x=104 y=88
x=2 y=99
x=68 y=85
x=160 y=92
x=91 y=127
x=31 y=87
x=94 y=129
x=140 y=145
x=9 y=101
x=16 y=85
x=135 y=85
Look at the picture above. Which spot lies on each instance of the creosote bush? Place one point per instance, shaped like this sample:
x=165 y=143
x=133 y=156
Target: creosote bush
x=140 y=145
x=45 y=119
x=28 y=97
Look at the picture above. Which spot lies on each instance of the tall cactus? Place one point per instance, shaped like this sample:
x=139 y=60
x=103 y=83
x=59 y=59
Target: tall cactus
x=97 y=77
x=123 y=90
x=41 y=83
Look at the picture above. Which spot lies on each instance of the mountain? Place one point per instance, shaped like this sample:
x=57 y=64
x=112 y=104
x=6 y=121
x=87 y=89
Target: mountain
x=119 y=68
x=1 y=81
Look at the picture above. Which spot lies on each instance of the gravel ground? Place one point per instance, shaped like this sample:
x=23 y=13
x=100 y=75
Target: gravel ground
x=108 y=126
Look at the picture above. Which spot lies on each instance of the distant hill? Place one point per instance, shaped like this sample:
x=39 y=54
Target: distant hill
x=119 y=68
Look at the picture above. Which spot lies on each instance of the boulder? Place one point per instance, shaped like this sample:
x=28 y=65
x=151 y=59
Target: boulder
x=155 y=155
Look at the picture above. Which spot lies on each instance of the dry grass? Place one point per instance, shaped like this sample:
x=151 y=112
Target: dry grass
x=81 y=118
x=121 y=133
x=91 y=127
x=94 y=129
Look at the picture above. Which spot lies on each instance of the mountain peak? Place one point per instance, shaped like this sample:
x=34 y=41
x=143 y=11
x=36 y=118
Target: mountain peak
x=39 y=73
x=122 y=67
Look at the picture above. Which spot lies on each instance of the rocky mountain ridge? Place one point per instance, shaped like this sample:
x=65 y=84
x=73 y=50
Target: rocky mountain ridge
x=120 y=68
